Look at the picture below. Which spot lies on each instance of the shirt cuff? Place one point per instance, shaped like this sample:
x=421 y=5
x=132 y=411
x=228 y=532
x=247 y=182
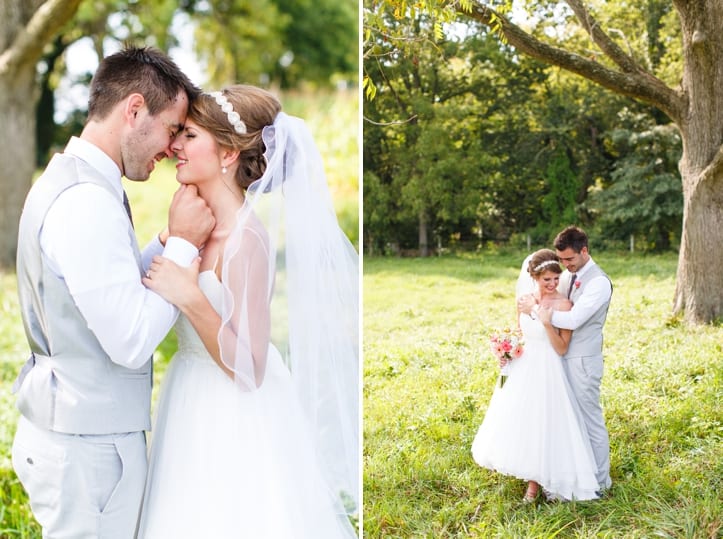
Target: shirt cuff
x=182 y=252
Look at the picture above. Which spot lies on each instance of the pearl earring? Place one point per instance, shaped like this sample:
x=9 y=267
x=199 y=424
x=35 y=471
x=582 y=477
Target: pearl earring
x=224 y=170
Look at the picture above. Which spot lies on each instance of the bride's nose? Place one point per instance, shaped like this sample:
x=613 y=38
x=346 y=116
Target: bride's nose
x=175 y=145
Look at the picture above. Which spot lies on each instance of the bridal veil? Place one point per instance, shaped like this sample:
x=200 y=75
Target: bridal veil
x=290 y=278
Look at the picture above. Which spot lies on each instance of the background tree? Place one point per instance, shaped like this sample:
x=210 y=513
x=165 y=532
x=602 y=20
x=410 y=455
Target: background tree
x=634 y=64
x=320 y=40
x=239 y=40
x=434 y=139
x=643 y=198
x=280 y=42
x=26 y=26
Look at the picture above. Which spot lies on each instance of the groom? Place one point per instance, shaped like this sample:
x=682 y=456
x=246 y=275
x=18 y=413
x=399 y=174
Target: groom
x=92 y=327
x=590 y=290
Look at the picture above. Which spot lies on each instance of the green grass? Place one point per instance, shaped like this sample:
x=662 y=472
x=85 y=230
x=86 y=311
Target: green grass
x=333 y=120
x=428 y=378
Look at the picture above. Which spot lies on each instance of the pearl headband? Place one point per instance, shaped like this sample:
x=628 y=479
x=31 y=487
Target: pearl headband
x=545 y=264
x=233 y=117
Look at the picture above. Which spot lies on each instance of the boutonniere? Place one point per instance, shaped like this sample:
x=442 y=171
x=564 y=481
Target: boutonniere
x=577 y=284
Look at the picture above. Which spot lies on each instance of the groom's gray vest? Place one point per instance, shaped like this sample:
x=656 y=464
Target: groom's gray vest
x=587 y=340
x=69 y=384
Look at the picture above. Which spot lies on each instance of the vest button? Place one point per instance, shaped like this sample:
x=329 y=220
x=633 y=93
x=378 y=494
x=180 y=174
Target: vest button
x=29 y=461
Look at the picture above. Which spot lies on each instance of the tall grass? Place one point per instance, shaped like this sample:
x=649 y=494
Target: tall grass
x=332 y=119
x=428 y=377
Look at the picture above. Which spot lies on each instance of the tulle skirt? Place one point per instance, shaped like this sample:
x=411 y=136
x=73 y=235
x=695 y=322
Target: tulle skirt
x=230 y=464
x=533 y=428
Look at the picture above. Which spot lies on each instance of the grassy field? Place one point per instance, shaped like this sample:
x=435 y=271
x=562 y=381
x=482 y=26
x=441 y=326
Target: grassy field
x=332 y=118
x=428 y=377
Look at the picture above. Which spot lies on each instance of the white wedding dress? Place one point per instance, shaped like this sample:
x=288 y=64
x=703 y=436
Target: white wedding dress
x=533 y=428
x=225 y=463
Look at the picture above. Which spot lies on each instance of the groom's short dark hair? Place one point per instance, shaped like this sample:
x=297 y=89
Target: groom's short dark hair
x=142 y=70
x=573 y=237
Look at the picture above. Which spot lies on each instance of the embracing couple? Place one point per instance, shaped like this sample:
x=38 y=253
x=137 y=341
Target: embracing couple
x=255 y=434
x=546 y=425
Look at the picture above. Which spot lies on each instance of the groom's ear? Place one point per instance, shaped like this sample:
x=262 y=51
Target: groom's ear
x=132 y=105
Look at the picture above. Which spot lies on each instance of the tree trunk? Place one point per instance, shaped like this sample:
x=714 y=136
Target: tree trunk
x=25 y=27
x=699 y=285
x=17 y=139
x=423 y=235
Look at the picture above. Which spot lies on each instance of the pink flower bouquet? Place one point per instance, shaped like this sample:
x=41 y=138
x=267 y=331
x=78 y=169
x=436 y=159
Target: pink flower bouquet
x=506 y=344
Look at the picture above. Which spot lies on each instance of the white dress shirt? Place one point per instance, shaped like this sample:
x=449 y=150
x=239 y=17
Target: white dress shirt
x=85 y=239
x=597 y=292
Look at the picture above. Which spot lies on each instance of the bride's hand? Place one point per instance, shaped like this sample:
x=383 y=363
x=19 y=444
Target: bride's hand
x=172 y=282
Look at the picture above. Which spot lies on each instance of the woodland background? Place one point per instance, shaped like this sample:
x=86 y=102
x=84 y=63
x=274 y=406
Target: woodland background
x=504 y=120
x=467 y=141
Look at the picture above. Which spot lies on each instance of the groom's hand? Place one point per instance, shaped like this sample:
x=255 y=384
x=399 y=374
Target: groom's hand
x=189 y=217
x=545 y=315
x=526 y=303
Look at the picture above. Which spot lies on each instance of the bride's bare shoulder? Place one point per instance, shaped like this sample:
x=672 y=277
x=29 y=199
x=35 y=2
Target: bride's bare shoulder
x=561 y=303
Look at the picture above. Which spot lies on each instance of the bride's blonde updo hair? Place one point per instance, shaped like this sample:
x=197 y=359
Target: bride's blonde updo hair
x=257 y=108
x=542 y=261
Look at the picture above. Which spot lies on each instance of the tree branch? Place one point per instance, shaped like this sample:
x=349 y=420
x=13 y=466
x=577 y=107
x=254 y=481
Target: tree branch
x=714 y=167
x=387 y=124
x=602 y=40
x=636 y=83
x=30 y=40
x=389 y=84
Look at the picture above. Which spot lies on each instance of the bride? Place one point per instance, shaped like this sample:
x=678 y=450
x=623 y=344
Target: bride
x=533 y=428
x=256 y=429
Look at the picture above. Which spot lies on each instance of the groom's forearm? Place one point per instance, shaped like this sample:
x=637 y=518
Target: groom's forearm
x=594 y=297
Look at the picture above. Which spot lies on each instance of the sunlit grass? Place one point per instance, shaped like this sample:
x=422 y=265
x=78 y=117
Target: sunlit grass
x=428 y=377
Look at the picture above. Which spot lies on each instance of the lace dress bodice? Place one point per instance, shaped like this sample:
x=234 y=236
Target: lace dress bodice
x=190 y=345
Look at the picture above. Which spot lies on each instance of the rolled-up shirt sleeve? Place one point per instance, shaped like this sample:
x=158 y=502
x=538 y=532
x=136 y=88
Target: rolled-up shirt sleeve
x=597 y=292
x=85 y=238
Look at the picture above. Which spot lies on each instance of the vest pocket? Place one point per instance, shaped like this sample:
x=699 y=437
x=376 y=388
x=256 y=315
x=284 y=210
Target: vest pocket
x=36 y=395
